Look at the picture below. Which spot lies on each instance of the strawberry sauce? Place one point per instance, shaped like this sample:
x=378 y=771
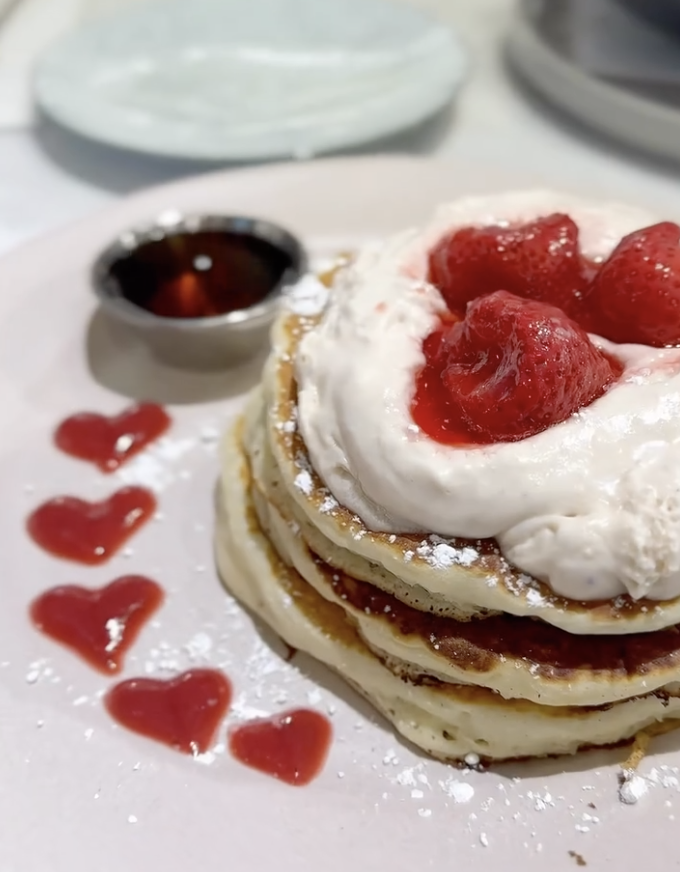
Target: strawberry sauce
x=433 y=408
x=291 y=746
x=108 y=442
x=183 y=712
x=102 y=624
x=90 y=533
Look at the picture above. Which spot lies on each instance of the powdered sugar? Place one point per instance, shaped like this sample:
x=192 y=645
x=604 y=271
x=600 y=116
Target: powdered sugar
x=406 y=777
x=329 y=504
x=632 y=787
x=115 y=628
x=164 y=658
x=40 y=670
x=535 y=598
x=540 y=802
x=441 y=554
x=155 y=467
x=199 y=647
x=303 y=482
x=524 y=586
x=666 y=776
x=307 y=298
x=459 y=791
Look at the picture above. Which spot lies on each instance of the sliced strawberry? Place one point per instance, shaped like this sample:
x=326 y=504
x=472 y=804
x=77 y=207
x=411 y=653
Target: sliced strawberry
x=635 y=296
x=539 y=260
x=509 y=370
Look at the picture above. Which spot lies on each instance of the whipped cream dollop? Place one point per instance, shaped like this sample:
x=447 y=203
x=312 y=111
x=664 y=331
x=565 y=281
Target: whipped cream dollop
x=591 y=506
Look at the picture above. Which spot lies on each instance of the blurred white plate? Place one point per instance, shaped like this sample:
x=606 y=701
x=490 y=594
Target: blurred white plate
x=221 y=80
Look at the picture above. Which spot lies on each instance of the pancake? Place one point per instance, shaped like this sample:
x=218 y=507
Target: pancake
x=517 y=657
x=446 y=720
x=457 y=578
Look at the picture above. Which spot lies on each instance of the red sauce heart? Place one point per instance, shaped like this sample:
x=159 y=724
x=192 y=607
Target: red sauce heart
x=109 y=442
x=99 y=625
x=291 y=746
x=86 y=532
x=183 y=712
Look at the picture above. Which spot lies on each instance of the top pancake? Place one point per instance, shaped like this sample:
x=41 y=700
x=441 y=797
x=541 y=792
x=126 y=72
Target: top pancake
x=457 y=578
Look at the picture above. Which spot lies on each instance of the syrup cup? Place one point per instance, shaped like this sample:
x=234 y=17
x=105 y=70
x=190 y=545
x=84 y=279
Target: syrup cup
x=158 y=281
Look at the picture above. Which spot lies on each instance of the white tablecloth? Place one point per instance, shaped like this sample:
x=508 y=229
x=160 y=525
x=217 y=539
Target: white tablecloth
x=49 y=177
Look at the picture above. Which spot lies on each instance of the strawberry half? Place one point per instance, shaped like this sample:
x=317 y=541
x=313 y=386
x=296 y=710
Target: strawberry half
x=635 y=296
x=539 y=260
x=510 y=369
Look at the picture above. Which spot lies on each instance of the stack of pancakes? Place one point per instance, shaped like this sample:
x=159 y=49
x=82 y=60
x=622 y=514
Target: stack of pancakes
x=460 y=651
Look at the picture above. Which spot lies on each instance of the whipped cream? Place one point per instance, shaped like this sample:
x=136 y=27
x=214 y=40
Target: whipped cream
x=591 y=505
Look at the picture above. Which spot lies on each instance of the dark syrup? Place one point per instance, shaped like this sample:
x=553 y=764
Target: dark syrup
x=200 y=275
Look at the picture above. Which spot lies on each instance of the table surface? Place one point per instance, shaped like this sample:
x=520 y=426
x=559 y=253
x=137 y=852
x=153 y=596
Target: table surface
x=49 y=177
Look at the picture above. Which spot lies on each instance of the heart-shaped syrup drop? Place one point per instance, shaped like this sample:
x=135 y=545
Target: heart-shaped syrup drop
x=291 y=746
x=86 y=532
x=99 y=625
x=183 y=712
x=109 y=441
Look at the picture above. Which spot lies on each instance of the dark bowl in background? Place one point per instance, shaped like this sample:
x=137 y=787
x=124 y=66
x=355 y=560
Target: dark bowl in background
x=664 y=14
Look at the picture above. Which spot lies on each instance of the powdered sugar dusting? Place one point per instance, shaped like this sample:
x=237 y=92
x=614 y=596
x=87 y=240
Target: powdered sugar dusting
x=441 y=554
x=308 y=297
x=459 y=791
x=632 y=787
x=115 y=628
x=666 y=776
x=290 y=425
x=328 y=505
x=41 y=670
x=199 y=647
x=535 y=598
x=525 y=586
x=155 y=467
x=303 y=482
x=407 y=777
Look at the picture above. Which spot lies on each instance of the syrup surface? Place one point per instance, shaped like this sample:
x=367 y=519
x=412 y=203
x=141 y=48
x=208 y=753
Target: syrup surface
x=200 y=275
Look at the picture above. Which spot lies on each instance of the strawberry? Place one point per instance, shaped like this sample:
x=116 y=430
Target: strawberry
x=509 y=370
x=539 y=260
x=635 y=296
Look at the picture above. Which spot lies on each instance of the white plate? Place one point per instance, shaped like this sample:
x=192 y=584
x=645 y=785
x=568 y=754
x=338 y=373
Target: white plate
x=540 y=47
x=250 y=80
x=71 y=781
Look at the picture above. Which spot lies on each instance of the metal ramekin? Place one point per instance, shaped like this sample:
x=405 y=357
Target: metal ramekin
x=214 y=342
